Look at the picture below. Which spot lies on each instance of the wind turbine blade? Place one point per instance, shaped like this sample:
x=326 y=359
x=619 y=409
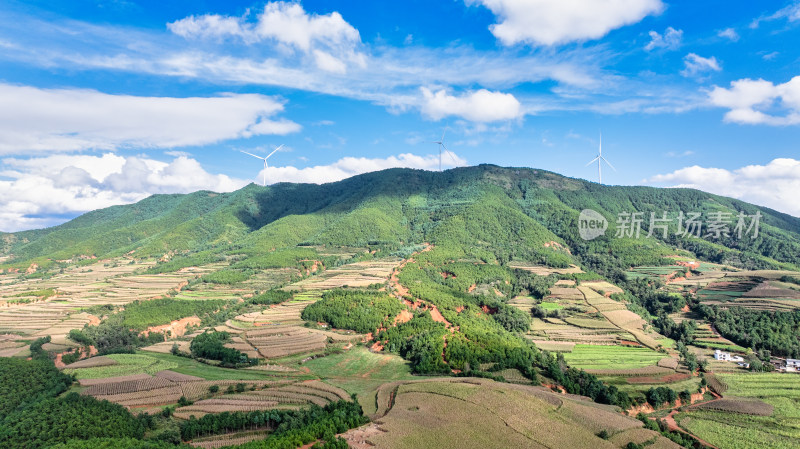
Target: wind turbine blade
x=445 y=130
x=453 y=157
x=593 y=161
x=251 y=154
x=275 y=151
x=609 y=163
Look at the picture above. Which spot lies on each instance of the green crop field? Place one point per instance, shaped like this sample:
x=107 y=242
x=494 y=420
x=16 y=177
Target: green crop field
x=361 y=371
x=611 y=357
x=738 y=431
x=127 y=364
x=551 y=306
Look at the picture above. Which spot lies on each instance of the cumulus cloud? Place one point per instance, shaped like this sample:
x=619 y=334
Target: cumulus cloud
x=729 y=33
x=33 y=119
x=41 y=191
x=774 y=185
x=328 y=38
x=670 y=40
x=351 y=166
x=759 y=102
x=547 y=22
x=698 y=65
x=477 y=106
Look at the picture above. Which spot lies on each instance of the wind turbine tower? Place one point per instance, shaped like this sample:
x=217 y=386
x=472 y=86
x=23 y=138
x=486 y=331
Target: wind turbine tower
x=264 y=159
x=440 y=142
x=600 y=159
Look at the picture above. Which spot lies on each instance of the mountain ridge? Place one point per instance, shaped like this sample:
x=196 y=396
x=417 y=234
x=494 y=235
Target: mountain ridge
x=397 y=206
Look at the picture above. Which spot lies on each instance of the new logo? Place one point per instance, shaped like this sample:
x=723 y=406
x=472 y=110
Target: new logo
x=591 y=224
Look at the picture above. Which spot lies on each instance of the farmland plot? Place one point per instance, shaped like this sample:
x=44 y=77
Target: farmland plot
x=280 y=341
x=285 y=396
x=478 y=413
x=736 y=429
x=615 y=358
x=359 y=274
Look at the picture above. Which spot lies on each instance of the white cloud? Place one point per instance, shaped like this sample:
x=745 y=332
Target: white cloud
x=328 y=38
x=351 y=166
x=759 y=102
x=729 y=33
x=477 y=106
x=389 y=76
x=774 y=185
x=770 y=56
x=548 y=22
x=791 y=13
x=697 y=65
x=670 y=40
x=33 y=119
x=679 y=154
x=40 y=191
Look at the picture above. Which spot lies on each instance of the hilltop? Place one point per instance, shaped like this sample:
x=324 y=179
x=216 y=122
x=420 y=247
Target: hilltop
x=511 y=212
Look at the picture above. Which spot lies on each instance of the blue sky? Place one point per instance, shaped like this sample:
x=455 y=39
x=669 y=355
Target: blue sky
x=106 y=102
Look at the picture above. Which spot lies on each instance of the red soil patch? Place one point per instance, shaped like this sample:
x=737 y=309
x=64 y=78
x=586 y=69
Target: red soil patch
x=554 y=387
x=403 y=317
x=691 y=265
x=472 y=288
x=686 y=308
x=60 y=364
x=177 y=327
x=32 y=269
x=487 y=310
x=447 y=275
x=557 y=245
x=93 y=320
x=438 y=317
x=644 y=408
x=460 y=309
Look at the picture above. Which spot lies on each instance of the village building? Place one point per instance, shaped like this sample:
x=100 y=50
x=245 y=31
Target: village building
x=727 y=357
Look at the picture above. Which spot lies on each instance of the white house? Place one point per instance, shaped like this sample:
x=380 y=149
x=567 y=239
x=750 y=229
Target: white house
x=724 y=356
x=792 y=365
x=727 y=357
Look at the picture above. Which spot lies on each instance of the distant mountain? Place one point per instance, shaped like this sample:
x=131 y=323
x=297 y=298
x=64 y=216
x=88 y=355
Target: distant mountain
x=514 y=213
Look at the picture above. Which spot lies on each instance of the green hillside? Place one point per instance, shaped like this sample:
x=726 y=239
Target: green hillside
x=502 y=213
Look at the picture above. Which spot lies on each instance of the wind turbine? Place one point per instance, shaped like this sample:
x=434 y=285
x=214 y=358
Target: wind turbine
x=600 y=159
x=440 y=142
x=264 y=159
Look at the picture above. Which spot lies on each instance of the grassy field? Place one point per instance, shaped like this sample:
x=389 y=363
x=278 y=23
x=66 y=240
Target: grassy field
x=151 y=363
x=739 y=431
x=127 y=364
x=194 y=368
x=361 y=372
x=480 y=413
x=551 y=306
x=611 y=357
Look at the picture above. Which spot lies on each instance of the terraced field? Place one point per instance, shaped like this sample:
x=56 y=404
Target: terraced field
x=272 y=397
x=596 y=358
x=111 y=282
x=359 y=274
x=746 y=424
x=479 y=413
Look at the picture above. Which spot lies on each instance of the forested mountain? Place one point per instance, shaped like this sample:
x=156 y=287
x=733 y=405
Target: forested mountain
x=513 y=213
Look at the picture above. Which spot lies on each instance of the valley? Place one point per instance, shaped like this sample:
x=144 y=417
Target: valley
x=436 y=312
